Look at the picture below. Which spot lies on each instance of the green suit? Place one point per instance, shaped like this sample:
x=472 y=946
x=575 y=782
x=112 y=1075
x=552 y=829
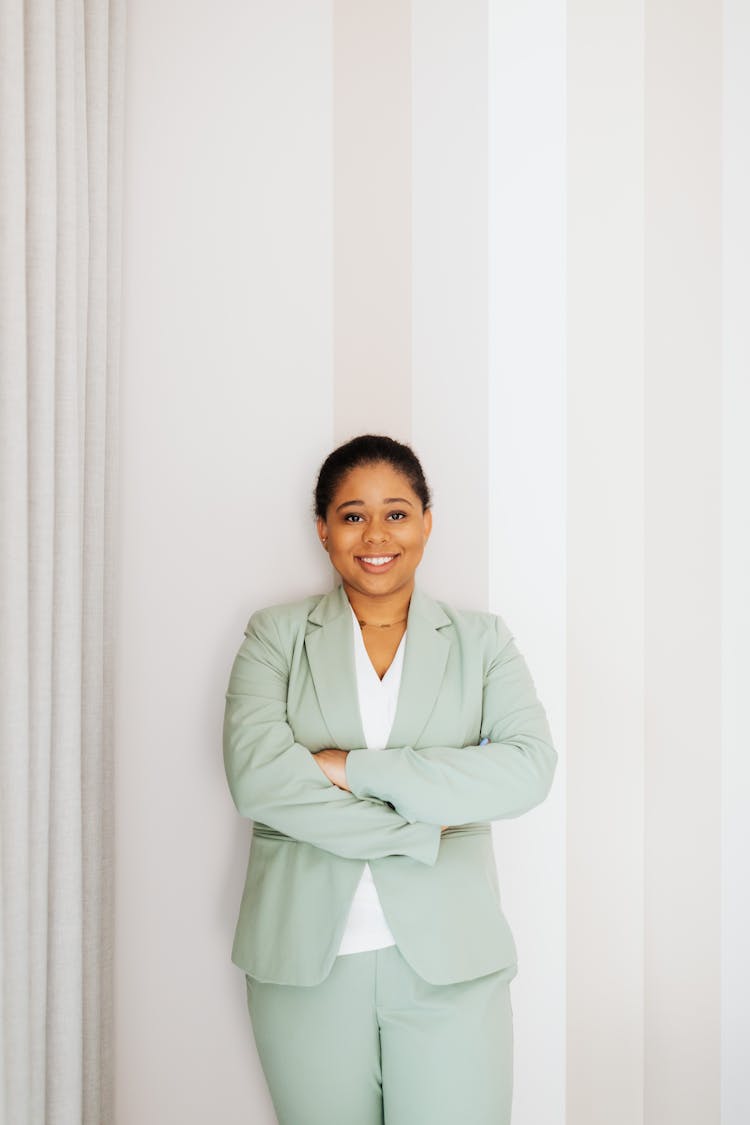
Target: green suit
x=292 y=691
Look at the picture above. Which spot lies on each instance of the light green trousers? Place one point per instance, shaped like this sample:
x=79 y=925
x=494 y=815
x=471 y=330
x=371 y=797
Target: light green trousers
x=374 y=1043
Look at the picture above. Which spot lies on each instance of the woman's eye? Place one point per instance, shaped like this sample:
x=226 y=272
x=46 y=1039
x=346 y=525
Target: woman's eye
x=357 y=517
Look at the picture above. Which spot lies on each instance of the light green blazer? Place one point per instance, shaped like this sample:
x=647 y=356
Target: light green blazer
x=292 y=691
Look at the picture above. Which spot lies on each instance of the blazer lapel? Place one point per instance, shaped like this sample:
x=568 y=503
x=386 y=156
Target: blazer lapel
x=329 y=644
x=425 y=659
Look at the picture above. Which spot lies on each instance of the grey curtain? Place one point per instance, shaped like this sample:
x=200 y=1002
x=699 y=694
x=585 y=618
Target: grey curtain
x=61 y=110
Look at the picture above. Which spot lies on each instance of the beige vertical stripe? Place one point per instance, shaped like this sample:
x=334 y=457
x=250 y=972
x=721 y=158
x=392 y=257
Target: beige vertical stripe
x=735 y=1100
x=683 y=591
x=451 y=272
x=605 y=745
x=372 y=217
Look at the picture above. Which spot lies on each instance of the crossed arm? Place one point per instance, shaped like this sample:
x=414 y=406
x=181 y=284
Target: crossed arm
x=363 y=803
x=274 y=779
x=333 y=764
x=506 y=777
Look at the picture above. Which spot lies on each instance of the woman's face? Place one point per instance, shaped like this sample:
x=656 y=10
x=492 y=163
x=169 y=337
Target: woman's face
x=375 y=515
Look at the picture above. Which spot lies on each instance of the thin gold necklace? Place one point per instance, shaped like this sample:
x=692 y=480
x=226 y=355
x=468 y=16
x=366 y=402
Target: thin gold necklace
x=375 y=625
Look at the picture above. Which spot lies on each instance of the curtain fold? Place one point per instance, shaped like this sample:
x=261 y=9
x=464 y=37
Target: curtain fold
x=61 y=136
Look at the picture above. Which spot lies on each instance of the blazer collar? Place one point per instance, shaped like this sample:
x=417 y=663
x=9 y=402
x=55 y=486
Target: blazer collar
x=329 y=644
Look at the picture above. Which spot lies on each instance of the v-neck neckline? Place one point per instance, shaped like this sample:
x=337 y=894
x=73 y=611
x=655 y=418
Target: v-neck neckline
x=360 y=640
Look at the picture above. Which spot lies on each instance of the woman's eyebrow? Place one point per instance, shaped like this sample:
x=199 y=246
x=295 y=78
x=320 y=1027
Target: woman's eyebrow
x=388 y=500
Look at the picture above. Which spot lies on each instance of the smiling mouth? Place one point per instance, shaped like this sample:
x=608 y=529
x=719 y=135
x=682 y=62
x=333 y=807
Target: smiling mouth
x=375 y=562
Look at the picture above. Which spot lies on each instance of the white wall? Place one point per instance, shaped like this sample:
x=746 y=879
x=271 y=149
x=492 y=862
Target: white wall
x=496 y=230
x=226 y=413
x=527 y=496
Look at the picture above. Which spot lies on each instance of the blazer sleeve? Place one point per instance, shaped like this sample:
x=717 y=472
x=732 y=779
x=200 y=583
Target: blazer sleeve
x=274 y=779
x=506 y=777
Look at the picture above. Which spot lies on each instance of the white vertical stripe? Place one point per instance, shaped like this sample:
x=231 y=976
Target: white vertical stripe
x=683 y=537
x=449 y=393
x=736 y=566
x=526 y=503
x=605 y=563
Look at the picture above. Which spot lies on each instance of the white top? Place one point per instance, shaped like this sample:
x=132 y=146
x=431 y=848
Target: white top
x=366 y=925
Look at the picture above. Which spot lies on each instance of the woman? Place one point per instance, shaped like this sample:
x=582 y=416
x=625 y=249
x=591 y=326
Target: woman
x=372 y=734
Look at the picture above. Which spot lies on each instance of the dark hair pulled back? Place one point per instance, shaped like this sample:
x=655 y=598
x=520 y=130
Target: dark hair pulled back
x=368 y=449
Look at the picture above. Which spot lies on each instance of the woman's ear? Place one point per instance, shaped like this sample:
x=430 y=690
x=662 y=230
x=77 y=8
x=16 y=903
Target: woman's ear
x=322 y=531
x=427 y=524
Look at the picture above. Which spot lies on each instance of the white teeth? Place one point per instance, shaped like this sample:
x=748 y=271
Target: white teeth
x=379 y=561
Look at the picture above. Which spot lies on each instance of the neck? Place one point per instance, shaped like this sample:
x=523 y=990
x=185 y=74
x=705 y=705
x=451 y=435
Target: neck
x=380 y=610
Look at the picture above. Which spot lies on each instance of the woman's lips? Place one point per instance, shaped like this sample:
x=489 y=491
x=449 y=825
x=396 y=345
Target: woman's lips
x=373 y=567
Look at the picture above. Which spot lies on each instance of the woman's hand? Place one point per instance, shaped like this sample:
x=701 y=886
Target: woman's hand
x=333 y=764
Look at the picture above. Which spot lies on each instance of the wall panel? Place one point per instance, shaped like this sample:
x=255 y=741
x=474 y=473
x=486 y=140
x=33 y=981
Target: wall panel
x=372 y=218
x=526 y=501
x=605 y=563
x=682 y=642
x=735 y=578
x=449 y=295
x=227 y=409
